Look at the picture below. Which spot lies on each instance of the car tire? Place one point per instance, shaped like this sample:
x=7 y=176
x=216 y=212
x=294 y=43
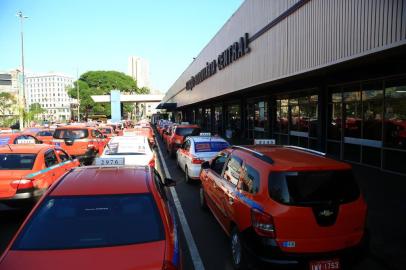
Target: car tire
x=237 y=252
x=202 y=199
x=187 y=178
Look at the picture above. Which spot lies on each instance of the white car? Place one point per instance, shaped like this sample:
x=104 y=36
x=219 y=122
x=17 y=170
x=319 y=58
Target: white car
x=195 y=150
x=134 y=149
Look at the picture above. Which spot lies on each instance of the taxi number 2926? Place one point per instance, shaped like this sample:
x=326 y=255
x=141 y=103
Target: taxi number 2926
x=109 y=161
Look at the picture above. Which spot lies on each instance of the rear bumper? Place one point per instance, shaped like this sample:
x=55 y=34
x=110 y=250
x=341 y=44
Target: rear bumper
x=264 y=252
x=23 y=198
x=194 y=171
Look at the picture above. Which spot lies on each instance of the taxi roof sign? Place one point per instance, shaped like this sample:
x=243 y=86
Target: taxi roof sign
x=264 y=141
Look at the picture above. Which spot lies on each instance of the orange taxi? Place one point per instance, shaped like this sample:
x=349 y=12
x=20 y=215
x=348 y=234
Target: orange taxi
x=27 y=171
x=99 y=218
x=285 y=205
x=82 y=142
x=176 y=137
x=18 y=138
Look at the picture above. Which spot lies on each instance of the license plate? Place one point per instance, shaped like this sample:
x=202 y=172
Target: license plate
x=332 y=264
x=109 y=161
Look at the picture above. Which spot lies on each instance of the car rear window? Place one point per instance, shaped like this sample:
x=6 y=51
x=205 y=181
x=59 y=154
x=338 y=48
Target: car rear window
x=210 y=146
x=71 y=133
x=17 y=161
x=44 y=133
x=92 y=221
x=314 y=187
x=187 y=131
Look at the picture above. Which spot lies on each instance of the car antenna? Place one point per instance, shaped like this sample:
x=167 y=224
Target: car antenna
x=9 y=147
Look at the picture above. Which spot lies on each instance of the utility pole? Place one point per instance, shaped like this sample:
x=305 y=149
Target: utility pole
x=22 y=98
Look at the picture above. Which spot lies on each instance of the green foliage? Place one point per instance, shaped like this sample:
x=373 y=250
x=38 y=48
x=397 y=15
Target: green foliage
x=101 y=83
x=7 y=100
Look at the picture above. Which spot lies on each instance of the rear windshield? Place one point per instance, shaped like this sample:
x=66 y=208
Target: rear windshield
x=71 y=133
x=4 y=140
x=316 y=187
x=113 y=149
x=187 y=131
x=201 y=147
x=17 y=161
x=92 y=221
x=44 y=133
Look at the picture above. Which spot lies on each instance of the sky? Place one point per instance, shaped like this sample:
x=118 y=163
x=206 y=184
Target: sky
x=75 y=36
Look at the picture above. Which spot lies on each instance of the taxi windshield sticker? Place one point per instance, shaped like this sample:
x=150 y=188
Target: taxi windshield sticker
x=4 y=140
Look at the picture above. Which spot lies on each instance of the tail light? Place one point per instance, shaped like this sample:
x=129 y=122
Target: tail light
x=197 y=161
x=22 y=184
x=263 y=223
x=151 y=163
x=168 y=265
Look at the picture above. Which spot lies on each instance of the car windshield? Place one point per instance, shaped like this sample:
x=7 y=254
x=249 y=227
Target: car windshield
x=17 y=161
x=187 y=131
x=201 y=147
x=70 y=133
x=92 y=221
x=314 y=187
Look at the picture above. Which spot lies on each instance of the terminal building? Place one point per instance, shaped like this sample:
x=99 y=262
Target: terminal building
x=325 y=75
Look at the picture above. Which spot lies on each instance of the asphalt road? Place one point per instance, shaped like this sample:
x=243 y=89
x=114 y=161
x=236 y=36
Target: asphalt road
x=211 y=242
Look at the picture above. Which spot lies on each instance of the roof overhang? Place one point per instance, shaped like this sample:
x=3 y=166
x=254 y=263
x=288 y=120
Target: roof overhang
x=167 y=106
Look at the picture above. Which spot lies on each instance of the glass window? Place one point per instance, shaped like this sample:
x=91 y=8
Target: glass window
x=17 y=161
x=395 y=114
x=352 y=113
x=218 y=120
x=250 y=179
x=207 y=119
x=372 y=107
x=294 y=114
x=70 y=133
x=50 y=159
x=187 y=131
x=310 y=188
x=63 y=156
x=233 y=121
x=334 y=115
x=218 y=164
x=233 y=170
x=92 y=221
x=203 y=147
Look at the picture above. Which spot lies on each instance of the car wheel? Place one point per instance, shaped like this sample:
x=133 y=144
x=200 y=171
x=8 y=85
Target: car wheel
x=187 y=178
x=237 y=252
x=203 y=203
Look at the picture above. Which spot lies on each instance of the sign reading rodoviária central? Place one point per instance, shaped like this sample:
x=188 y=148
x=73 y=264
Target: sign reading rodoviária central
x=228 y=56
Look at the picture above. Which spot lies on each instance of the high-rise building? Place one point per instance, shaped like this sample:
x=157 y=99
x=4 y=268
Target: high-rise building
x=49 y=91
x=138 y=69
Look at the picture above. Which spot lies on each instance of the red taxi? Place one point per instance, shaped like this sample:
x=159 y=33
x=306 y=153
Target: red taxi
x=18 y=138
x=107 y=131
x=82 y=142
x=177 y=137
x=285 y=205
x=27 y=171
x=99 y=218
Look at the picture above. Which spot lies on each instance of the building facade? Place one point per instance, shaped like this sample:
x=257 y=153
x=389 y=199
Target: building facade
x=50 y=92
x=11 y=82
x=138 y=69
x=326 y=75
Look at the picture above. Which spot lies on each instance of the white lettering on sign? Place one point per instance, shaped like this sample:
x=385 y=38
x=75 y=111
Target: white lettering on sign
x=25 y=141
x=264 y=141
x=109 y=161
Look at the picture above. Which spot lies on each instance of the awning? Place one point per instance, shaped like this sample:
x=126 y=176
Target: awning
x=167 y=106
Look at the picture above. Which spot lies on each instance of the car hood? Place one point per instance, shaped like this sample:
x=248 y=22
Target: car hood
x=6 y=177
x=148 y=256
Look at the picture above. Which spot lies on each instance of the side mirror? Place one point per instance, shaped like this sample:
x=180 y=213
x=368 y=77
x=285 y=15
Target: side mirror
x=169 y=182
x=206 y=165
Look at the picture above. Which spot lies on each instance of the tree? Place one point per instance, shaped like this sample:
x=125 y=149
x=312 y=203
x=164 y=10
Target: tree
x=7 y=101
x=35 y=110
x=101 y=83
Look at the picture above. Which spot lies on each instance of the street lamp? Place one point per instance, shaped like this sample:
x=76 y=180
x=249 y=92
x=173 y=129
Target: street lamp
x=22 y=99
